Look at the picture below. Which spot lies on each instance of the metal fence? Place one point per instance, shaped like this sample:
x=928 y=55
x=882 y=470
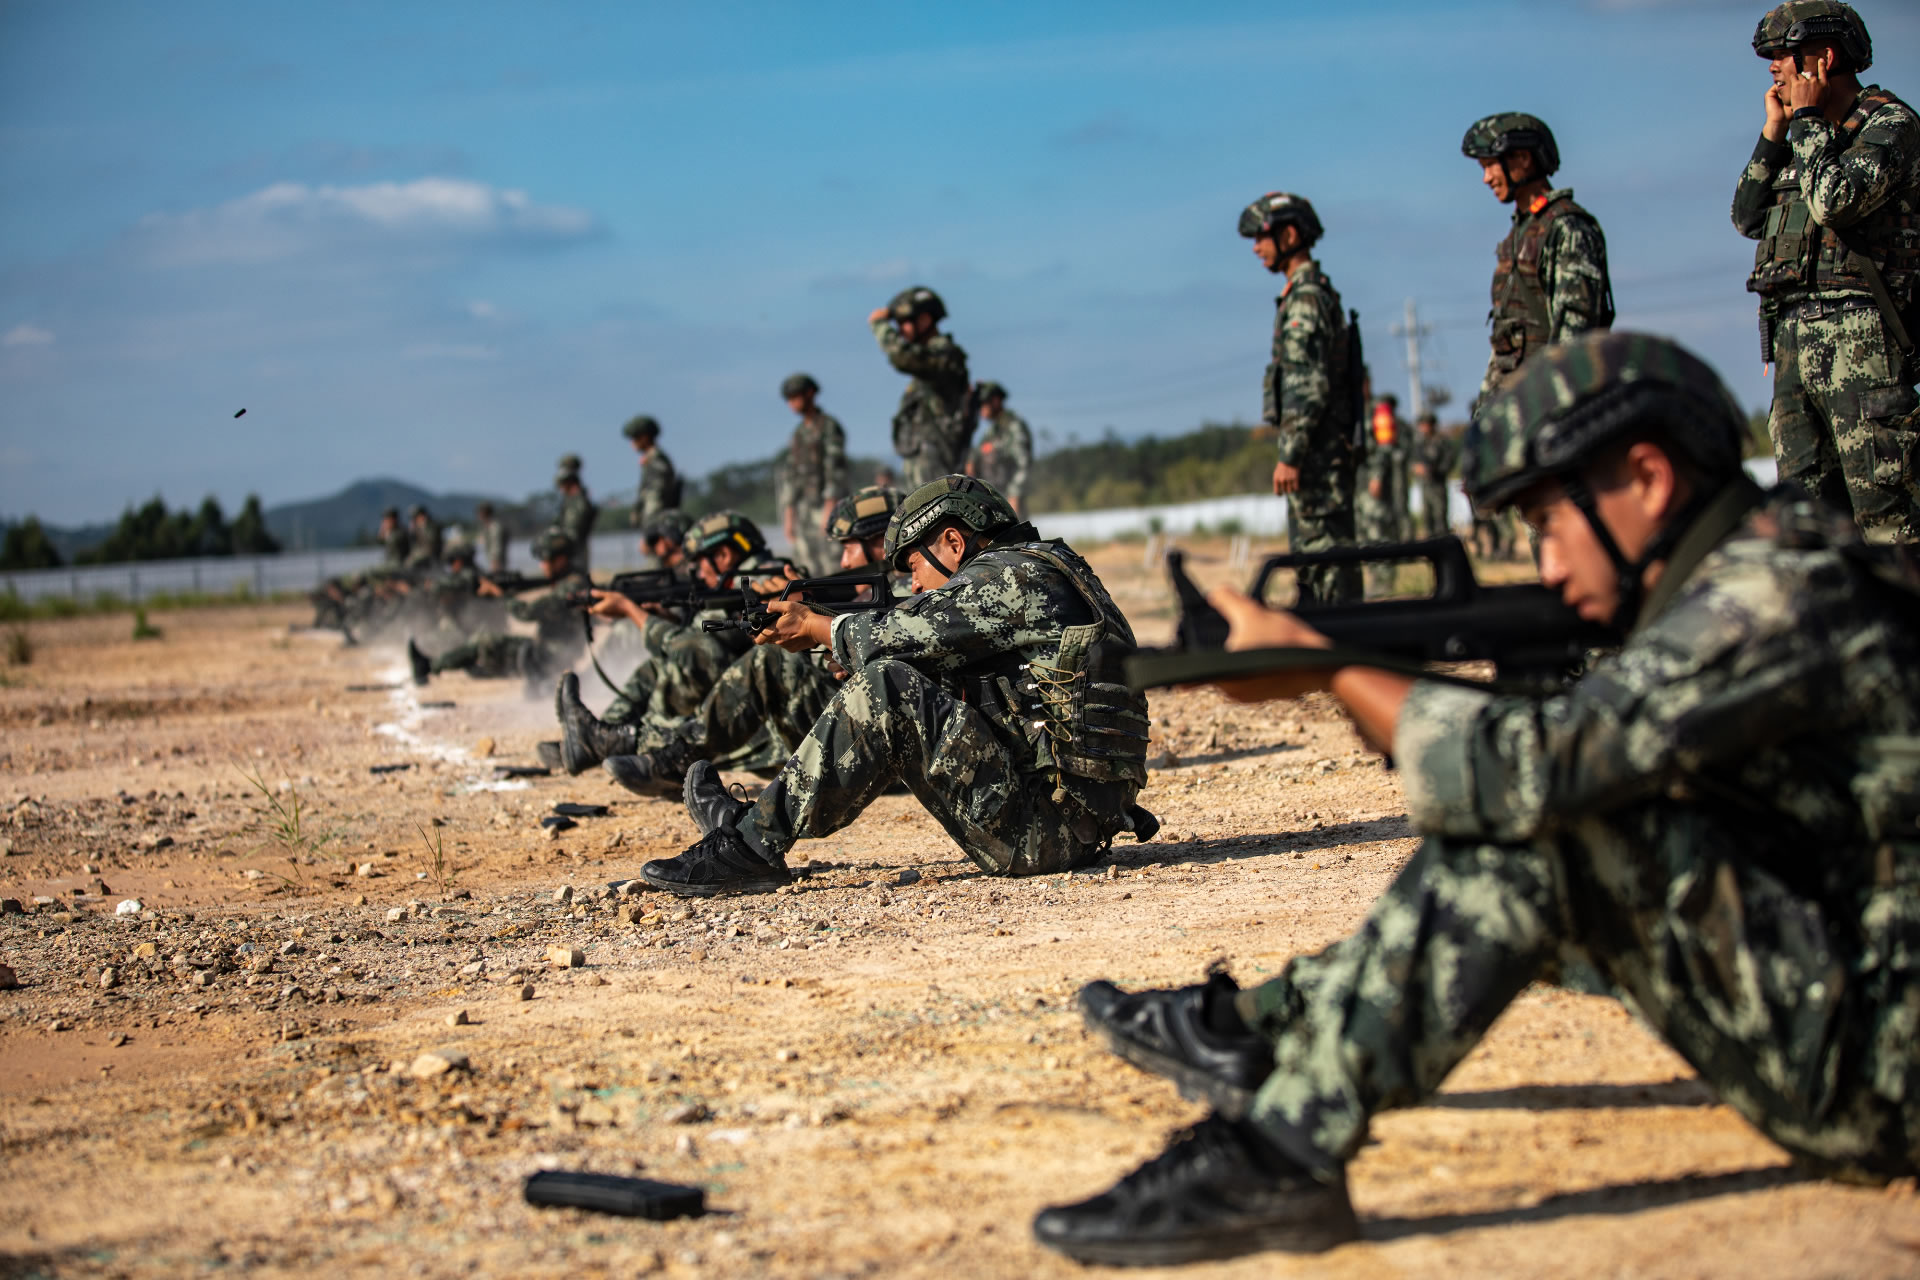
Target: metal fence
x=1252 y=514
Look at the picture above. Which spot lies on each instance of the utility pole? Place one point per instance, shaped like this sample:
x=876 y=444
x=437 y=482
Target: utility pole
x=1413 y=331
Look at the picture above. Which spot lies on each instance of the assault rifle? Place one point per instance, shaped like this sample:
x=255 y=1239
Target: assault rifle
x=512 y=584
x=1529 y=635
x=856 y=591
x=664 y=587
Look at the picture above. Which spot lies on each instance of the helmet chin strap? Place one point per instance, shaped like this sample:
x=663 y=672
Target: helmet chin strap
x=1632 y=587
x=926 y=553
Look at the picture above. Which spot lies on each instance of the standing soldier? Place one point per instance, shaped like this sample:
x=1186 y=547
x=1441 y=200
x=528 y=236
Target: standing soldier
x=1550 y=278
x=1005 y=456
x=659 y=483
x=1433 y=459
x=395 y=545
x=1378 y=511
x=1833 y=196
x=493 y=538
x=1311 y=393
x=424 y=552
x=814 y=477
x=577 y=511
x=934 y=424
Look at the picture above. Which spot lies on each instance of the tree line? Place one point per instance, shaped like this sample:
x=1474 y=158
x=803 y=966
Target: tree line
x=150 y=532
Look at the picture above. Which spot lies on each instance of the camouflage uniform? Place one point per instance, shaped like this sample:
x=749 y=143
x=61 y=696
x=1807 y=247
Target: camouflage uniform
x=685 y=663
x=424 y=553
x=931 y=429
x=557 y=641
x=1004 y=455
x=1437 y=454
x=577 y=514
x=493 y=545
x=1308 y=398
x=815 y=474
x=659 y=491
x=992 y=780
x=1550 y=283
x=1843 y=421
x=757 y=713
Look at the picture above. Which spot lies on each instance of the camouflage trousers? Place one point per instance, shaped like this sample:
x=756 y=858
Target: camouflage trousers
x=811 y=545
x=758 y=712
x=933 y=460
x=1807 y=1035
x=1433 y=510
x=889 y=723
x=670 y=685
x=1323 y=531
x=1843 y=424
x=492 y=655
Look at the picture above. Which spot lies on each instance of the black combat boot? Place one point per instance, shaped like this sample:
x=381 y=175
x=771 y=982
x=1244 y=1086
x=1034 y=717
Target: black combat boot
x=710 y=802
x=720 y=863
x=422 y=665
x=1219 y=1190
x=1191 y=1035
x=657 y=772
x=584 y=740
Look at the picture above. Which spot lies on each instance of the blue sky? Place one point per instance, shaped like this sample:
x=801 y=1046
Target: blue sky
x=450 y=242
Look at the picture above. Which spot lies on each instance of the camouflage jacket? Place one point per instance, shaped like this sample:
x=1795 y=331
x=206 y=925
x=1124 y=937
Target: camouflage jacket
x=935 y=413
x=493 y=545
x=659 y=488
x=1010 y=612
x=1548 y=286
x=395 y=547
x=1770 y=692
x=1308 y=397
x=576 y=520
x=1861 y=178
x=425 y=551
x=1439 y=454
x=815 y=471
x=556 y=623
x=1004 y=456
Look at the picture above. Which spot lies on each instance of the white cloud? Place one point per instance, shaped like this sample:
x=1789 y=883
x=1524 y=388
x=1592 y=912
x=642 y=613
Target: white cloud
x=27 y=335
x=290 y=218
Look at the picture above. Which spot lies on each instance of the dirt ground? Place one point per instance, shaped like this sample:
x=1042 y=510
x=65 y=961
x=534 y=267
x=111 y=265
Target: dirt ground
x=869 y=1077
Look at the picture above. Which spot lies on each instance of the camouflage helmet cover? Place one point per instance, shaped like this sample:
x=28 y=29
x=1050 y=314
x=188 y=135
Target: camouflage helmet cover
x=863 y=514
x=1573 y=400
x=417 y=512
x=916 y=301
x=990 y=390
x=642 y=427
x=797 y=385
x=567 y=470
x=1277 y=209
x=1787 y=27
x=967 y=499
x=1506 y=131
x=723 y=529
x=670 y=526
x=553 y=544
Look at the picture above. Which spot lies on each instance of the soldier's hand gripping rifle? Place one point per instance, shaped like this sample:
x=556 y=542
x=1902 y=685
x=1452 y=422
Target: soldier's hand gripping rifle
x=664 y=588
x=856 y=591
x=1529 y=635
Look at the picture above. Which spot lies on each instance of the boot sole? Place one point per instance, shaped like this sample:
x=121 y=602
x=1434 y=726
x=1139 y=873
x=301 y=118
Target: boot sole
x=654 y=788
x=1230 y=1100
x=1337 y=1227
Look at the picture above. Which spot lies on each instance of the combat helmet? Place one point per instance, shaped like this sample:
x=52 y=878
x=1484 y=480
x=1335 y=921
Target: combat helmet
x=798 y=384
x=1789 y=26
x=863 y=514
x=1507 y=131
x=916 y=301
x=567 y=470
x=1572 y=401
x=554 y=543
x=1276 y=209
x=671 y=525
x=967 y=499
x=721 y=529
x=986 y=391
x=642 y=427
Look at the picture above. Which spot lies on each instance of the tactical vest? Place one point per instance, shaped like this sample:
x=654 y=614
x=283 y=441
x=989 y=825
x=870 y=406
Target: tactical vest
x=1796 y=252
x=1085 y=720
x=1520 y=317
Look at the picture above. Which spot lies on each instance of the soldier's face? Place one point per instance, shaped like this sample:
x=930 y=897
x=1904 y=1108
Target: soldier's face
x=855 y=554
x=1267 y=251
x=800 y=404
x=1494 y=174
x=1634 y=497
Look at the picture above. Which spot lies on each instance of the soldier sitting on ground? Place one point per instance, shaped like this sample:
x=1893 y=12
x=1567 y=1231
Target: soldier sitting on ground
x=1720 y=819
x=995 y=695
x=686 y=658
x=558 y=639
x=770 y=698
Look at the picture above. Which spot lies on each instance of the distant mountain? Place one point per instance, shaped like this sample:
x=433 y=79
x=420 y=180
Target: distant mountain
x=343 y=518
